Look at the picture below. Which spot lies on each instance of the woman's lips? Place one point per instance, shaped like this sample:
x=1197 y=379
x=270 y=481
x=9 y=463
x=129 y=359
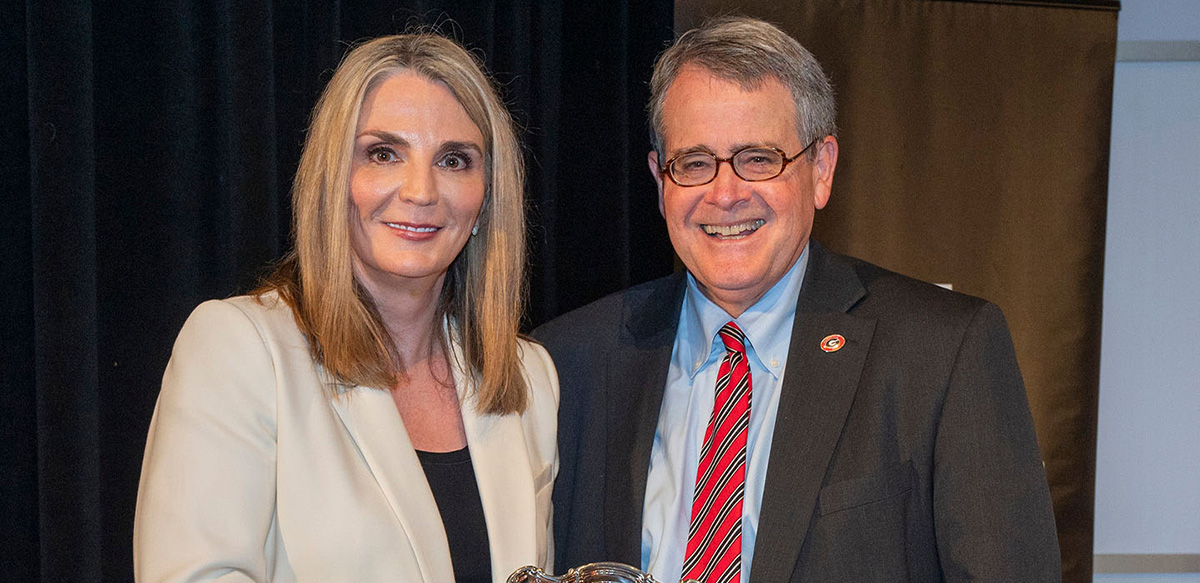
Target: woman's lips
x=413 y=232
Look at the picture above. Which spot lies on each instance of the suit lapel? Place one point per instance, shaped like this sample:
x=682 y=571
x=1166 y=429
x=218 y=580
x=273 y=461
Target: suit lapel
x=817 y=391
x=637 y=375
x=370 y=417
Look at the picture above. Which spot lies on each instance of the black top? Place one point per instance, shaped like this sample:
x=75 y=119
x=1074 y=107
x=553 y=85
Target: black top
x=452 y=479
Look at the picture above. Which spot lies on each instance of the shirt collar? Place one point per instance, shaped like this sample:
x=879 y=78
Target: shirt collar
x=766 y=324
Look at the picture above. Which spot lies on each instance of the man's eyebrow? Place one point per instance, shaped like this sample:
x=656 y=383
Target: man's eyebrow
x=691 y=149
x=743 y=145
x=733 y=148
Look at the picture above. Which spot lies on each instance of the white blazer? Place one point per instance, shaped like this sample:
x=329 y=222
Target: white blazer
x=253 y=472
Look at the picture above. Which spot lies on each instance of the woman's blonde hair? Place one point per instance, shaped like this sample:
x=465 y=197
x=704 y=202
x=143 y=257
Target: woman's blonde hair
x=484 y=288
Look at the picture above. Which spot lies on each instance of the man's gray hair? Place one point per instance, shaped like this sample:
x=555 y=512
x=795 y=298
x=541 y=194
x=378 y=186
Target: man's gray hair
x=747 y=51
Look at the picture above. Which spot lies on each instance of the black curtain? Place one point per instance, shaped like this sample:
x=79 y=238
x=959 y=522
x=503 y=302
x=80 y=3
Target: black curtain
x=974 y=152
x=148 y=150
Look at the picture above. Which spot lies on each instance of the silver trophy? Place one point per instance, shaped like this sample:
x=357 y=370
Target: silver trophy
x=590 y=573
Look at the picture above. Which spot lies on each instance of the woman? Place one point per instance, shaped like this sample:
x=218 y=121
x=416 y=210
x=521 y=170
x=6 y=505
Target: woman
x=369 y=414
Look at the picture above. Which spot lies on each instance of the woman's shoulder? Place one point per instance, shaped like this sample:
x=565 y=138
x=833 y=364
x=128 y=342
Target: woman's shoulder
x=267 y=315
x=540 y=418
x=535 y=359
x=242 y=326
x=540 y=374
x=246 y=342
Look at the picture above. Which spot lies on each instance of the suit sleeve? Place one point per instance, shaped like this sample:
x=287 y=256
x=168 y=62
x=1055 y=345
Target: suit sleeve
x=993 y=517
x=207 y=492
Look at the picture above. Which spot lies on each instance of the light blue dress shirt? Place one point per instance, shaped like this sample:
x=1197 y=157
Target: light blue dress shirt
x=687 y=405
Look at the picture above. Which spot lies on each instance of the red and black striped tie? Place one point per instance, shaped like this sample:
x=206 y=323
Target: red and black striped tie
x=714 y=546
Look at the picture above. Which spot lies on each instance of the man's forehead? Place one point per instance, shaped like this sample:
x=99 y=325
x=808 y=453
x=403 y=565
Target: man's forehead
x=702 y=110
x=746 y=81
x=698 y=73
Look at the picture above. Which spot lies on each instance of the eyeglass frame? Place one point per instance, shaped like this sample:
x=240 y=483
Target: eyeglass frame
x=665 y=169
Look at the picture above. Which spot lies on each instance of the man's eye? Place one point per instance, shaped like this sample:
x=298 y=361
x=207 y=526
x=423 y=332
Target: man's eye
x=758 y=158
x=695 y=164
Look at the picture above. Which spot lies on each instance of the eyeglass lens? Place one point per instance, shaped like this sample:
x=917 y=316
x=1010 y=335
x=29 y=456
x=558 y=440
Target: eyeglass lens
x=750 y=164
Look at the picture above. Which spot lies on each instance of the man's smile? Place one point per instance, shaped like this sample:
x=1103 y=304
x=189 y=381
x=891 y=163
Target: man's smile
x=734 y=231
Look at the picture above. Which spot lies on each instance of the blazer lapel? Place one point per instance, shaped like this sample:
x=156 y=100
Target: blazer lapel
x=370 y=417
x=818 y=389
x=637 y=374
x=503 y=474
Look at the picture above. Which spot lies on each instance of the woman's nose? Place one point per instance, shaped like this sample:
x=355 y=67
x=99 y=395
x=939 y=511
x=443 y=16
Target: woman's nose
x=419 y=186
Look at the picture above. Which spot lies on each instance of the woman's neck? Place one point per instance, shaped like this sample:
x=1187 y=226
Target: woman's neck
x=408 y=310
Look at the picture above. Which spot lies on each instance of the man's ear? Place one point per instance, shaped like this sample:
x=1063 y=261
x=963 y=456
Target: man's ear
x=823 y=167
x=652 y=160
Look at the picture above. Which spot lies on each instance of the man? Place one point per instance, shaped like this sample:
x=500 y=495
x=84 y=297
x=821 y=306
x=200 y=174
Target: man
x=781 y=412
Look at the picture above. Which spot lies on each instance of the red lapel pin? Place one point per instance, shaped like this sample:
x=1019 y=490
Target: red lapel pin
x=833 y=342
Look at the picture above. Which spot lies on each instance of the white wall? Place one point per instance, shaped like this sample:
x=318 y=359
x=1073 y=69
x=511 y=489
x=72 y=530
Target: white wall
x=1148 y=445
x=1158 y=20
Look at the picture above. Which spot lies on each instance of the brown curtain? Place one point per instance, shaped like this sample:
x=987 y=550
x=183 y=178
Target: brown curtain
x=974 y=151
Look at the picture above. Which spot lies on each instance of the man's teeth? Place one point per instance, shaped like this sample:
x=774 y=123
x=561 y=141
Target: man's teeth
x=732 y=230
x=411 y=228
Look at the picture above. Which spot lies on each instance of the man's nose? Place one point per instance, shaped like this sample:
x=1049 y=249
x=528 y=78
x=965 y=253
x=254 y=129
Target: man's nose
x=727 y=189
x=419 y=185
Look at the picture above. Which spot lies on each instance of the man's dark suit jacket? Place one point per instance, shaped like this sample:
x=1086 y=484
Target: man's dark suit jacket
x=907 y=455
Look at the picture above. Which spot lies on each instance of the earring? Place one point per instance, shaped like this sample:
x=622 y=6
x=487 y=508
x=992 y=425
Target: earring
x=475 y=230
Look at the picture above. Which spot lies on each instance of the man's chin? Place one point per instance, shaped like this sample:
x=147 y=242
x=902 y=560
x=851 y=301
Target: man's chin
x=731 y=289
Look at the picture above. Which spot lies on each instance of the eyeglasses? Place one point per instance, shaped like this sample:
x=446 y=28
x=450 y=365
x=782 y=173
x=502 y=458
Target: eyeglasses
x=752 y=164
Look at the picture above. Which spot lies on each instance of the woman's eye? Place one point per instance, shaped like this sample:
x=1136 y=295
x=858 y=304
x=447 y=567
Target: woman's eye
x=455 y=161
x=381 y=155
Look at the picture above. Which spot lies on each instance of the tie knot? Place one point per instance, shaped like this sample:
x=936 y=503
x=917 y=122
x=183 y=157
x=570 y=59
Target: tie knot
x=733 y=337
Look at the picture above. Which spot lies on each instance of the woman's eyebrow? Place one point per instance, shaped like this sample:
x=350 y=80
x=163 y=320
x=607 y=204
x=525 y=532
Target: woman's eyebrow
x=457 y=145
x=385 y=136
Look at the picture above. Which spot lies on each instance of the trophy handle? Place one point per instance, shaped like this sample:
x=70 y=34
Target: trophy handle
x=605 y=572
x=531 y=574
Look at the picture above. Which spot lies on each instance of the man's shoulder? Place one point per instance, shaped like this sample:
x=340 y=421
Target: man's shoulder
x=603 y=319
x=889 y=293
